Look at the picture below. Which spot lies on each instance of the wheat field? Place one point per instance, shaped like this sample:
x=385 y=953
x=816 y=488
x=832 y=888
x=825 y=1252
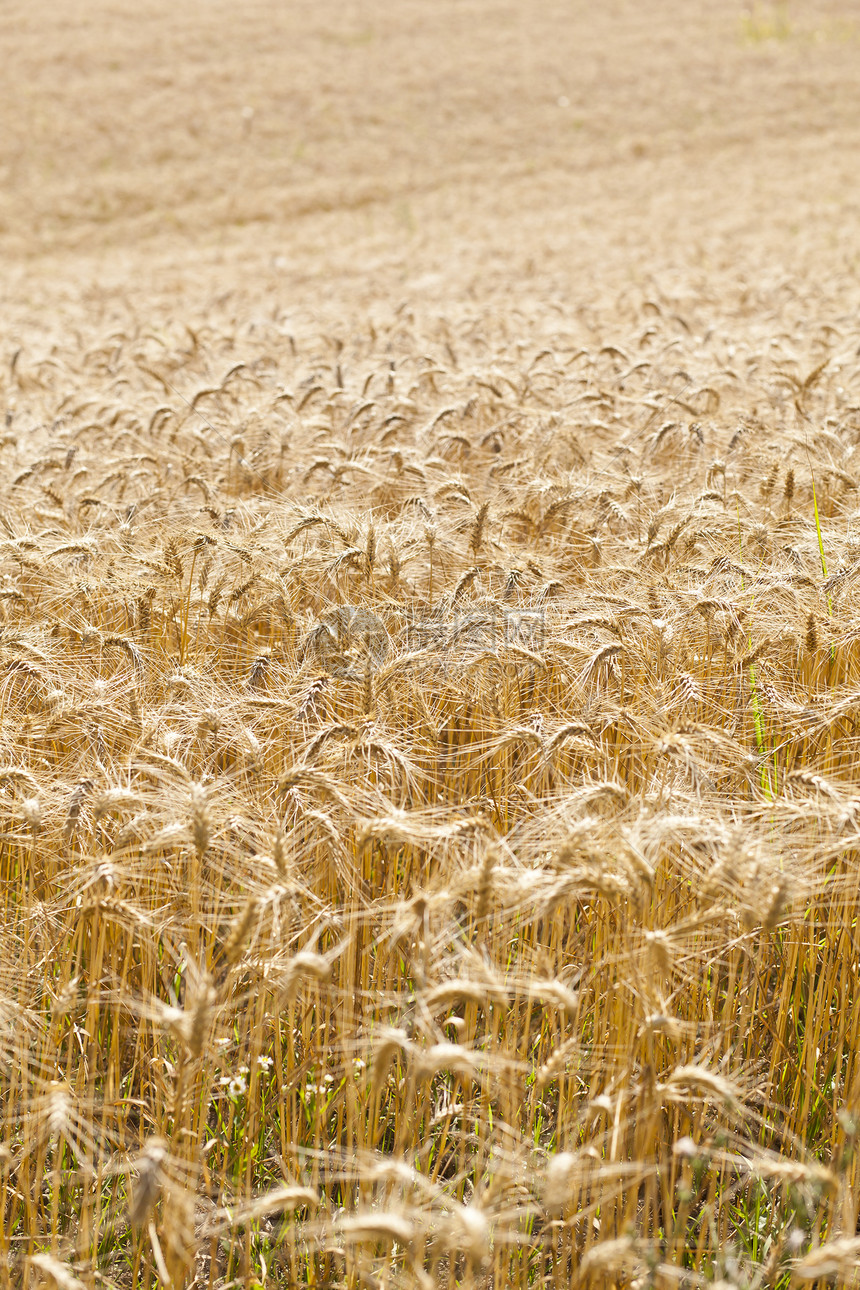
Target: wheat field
x=429 y=603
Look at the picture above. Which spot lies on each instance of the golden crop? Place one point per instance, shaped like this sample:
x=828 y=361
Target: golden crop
x=430 y=841
x=429 y=647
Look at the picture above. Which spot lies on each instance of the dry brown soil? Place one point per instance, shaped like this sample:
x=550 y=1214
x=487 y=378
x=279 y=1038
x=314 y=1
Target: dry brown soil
x=338 y=157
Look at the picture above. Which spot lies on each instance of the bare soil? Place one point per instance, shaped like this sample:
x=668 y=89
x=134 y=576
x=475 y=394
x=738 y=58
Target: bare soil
x=339 y=157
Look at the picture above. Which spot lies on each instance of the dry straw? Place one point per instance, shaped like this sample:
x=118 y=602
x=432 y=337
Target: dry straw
x=430 y=831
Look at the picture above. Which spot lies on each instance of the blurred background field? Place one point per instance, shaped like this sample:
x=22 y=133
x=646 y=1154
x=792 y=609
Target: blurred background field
x=316 y=155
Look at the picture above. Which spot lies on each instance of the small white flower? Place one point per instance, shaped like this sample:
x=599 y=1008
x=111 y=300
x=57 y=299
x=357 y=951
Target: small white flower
x=685 y=1147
